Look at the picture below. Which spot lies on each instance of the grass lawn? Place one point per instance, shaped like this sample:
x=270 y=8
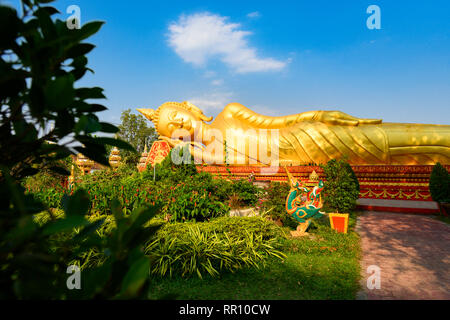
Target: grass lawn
x=324 y=265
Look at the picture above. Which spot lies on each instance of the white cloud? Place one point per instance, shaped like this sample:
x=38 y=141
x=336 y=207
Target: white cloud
x=215 y=101
x=254 y=14
x=199 y=37
x=217 y=82
x=209 y=74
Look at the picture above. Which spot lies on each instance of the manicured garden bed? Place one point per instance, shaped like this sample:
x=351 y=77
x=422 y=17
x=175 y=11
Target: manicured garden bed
x=188 y=246
x=324 y=265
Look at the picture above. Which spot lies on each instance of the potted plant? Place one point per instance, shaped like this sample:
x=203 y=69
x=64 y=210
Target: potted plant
x=340 y=192
x=440 y=188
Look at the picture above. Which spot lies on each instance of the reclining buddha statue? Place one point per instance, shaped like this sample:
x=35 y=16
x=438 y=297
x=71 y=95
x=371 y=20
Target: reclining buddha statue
x=303 y=138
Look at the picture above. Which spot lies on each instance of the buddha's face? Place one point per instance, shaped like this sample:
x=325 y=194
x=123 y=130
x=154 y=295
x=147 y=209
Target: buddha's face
x=172 y=118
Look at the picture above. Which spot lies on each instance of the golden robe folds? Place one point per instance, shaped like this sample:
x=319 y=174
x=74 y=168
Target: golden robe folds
x=309 y=137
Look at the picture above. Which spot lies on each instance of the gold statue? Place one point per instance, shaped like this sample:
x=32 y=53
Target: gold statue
x=309 y=137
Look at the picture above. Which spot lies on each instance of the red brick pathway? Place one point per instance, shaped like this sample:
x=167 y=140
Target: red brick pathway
x=413 y=253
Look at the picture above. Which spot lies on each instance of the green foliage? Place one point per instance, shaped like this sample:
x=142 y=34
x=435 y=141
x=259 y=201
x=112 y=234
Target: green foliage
x=41 y=62
x=274 y=203
x=275 y=200
x=325 y=265
x=209 y=247
x=136 y=132
x=49 y=179
x=440 y=184
x=247 y=192
x=36 y=250
x=352 y=174
x=173 y=171
x=237 y=226
x=341 y=187
x=42 y=106
x=182 y=192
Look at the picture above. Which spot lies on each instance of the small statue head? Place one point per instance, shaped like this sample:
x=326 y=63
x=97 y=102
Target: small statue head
x=172 y=116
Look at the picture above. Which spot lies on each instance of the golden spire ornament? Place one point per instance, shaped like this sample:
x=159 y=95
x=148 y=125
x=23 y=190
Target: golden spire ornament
x=114 y=158
x=84 y=164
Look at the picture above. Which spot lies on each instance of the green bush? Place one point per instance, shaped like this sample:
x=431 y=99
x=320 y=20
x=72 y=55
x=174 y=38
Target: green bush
x=440 y=184
x=237 y=226
x=187 y=204
x=274 y=203
x=170 y=171
x=247 y=192
x=224 y=244
x=341 y=187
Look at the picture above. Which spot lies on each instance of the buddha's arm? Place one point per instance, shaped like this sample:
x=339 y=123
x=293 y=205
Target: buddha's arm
x=253 y=119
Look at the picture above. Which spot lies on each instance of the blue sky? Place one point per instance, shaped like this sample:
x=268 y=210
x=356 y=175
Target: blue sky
x=275 y=57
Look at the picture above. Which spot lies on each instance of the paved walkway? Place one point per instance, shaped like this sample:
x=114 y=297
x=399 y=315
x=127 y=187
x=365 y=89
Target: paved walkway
x=412 y=252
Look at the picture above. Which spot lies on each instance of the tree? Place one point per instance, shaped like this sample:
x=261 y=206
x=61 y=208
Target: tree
x=42 y=114
x=440 y=184
x=41 y=60
x=341 y=187
x=135 y=131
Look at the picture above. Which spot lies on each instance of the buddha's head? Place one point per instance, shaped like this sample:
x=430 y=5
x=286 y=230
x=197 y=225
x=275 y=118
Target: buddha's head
x=172 y=116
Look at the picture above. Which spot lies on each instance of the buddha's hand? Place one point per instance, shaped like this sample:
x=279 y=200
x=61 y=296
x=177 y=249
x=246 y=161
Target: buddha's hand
x=343 y=119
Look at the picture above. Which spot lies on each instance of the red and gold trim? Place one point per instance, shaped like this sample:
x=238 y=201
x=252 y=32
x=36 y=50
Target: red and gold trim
x=398 y=182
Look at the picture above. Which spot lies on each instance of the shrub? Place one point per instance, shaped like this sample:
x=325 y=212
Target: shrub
x=274 y=203
x=168 y=170
x=237 y=226
x=183 y=193
x=440 y=184
x=246 y=191
x=341 y=186
x=227 y=243
x=188 y=204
